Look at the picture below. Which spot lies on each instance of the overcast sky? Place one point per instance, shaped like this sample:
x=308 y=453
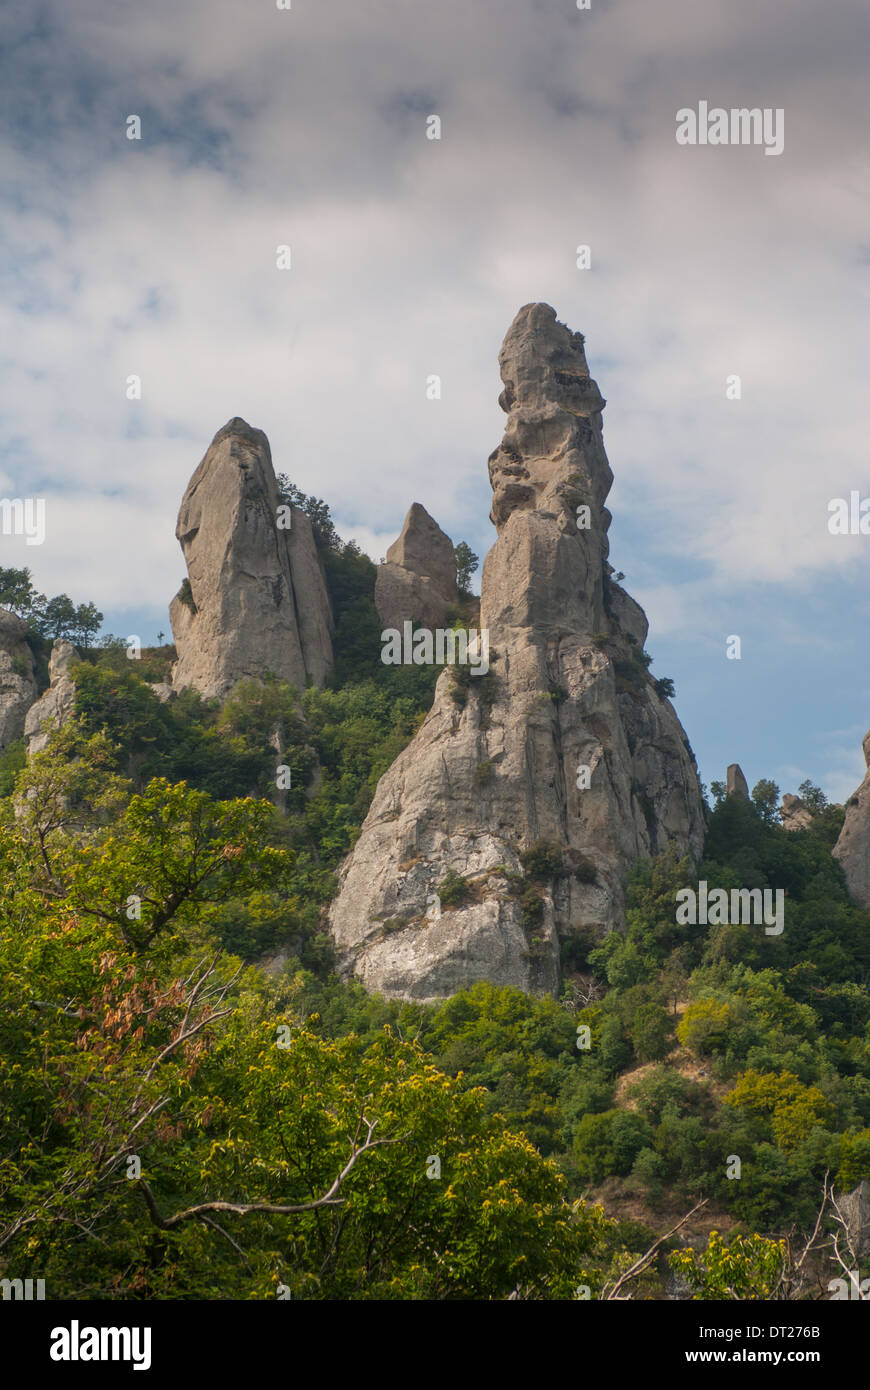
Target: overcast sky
x=410 y=256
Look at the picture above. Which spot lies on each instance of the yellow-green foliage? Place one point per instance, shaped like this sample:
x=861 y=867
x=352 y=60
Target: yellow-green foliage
x=704 y=1025
x=792 y=1108
x=747 y=1267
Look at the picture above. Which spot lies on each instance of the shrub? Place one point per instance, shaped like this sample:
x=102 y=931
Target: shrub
x=454 y=890
x=542 y=860
x=609 y=1143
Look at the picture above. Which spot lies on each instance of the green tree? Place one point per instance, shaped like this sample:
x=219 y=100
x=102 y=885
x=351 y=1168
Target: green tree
x=765 y=799
x=609 y=1143
x=86 y=624
x=749 y=1267
x=57 y=617
x=812 y=796
x=650 y=1032
x=16 y=591
x=793 y=1108
x=466 y=565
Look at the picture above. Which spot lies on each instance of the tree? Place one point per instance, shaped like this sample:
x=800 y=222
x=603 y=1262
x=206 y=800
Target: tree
x=812 y=796
x=16 y=591
x=172 y=851
x=793 y=1109
x=466 y=564
x=705 y=1025
x=317 y=511
x=609 y=1143
x=765 y=799
x=749 y=1267
x=650 y=1032
x=86 y=624
x=57 y=617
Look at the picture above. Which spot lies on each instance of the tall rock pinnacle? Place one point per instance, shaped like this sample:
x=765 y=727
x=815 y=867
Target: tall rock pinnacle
x=566 y=748
x=257 y=599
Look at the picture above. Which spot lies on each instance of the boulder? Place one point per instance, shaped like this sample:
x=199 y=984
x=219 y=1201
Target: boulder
x=256 y=599
x=564 y=746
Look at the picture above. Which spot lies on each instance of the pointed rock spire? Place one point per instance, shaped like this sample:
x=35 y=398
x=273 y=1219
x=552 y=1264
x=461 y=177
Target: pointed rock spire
x=255 y=600
x=540 y=782
x=418 y=580
x=735 y=782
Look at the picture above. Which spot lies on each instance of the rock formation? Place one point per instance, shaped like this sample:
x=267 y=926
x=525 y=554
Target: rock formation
x=566 y=753
x=795 y=813
x=58 y=702
x=735 y=782
x=854 y=1208
x=418 y=580
x=256 y=599
x=17 y=683
x=853 y=846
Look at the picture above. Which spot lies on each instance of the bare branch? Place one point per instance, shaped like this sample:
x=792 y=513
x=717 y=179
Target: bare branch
x=330 y=1198
x=639 y=1266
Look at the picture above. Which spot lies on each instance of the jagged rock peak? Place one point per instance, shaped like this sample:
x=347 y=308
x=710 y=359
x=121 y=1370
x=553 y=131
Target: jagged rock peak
x=566 y=741
x=548 y=457
x=423 y=547
x=257 y=599
x=735 y=782
x=418 y=579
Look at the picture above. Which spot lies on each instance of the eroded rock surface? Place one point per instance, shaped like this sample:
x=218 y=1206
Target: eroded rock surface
x=853 y=846
x=58 y=702
x=18 y=689
x=566 y=741
x=256 y=599
x=795 y=813
x=735 y=782
x=418 y=580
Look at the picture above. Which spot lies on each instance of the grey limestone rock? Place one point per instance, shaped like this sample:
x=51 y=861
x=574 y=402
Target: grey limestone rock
x=418 y=580
x=502 y=761
x=256 y=599
x=58 y=702
x=853 y=846
x=18 y=689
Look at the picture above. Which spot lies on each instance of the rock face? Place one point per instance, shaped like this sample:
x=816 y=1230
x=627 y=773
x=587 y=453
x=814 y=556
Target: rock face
x=565 y=741
x=855 y=1209
x=58 y=702
x=18 y=688
x=853 y=846
x=418 y=580
x=257 y=599
x=795 y=813
x=735 y=782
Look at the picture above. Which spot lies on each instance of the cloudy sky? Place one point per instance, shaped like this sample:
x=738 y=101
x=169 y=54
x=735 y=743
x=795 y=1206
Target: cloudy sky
x=307 y=127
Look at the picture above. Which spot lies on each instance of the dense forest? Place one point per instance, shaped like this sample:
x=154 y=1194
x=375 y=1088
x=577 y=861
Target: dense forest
x=193 y=1105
